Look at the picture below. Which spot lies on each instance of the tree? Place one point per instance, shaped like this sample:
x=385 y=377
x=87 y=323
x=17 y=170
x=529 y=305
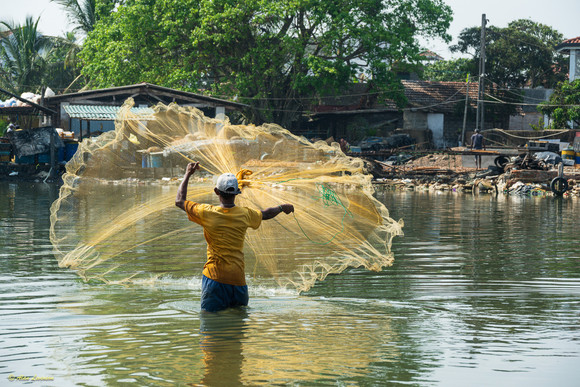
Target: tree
x=81 y=13
x=23 y=56
x=275 y=56
x=29 y=60
x=455 y=70
x=564 y=105
x=84 y=14
x=63 y=66
x=521 y=54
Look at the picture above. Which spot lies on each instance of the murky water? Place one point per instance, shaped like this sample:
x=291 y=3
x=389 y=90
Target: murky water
x=484 y=291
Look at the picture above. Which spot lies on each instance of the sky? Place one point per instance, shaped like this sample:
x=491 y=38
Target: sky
x=561 y=15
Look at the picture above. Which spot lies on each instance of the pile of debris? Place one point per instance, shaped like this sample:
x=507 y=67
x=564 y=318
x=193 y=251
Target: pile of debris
x=528 y=174
x=543 y=161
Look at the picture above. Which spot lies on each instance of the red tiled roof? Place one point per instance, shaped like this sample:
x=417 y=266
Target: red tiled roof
x=574 y=42
x=430 y=55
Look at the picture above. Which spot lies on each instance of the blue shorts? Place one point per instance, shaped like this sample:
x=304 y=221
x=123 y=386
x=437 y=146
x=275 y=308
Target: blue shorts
x=216 y=296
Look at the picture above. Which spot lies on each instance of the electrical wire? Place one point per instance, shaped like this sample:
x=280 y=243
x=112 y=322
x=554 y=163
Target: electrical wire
x=526 y=138
x=499 y=101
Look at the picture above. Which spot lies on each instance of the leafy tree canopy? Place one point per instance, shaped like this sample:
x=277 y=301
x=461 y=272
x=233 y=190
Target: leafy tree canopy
x=521 y=54
x=564 y=105
x=450 y=70
x=274 y=55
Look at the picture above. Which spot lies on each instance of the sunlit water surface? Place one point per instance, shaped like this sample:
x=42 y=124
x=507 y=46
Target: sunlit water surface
x=484 y=291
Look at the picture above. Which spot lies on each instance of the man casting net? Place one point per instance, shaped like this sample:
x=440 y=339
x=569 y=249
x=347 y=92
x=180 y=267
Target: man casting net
x=115 y=219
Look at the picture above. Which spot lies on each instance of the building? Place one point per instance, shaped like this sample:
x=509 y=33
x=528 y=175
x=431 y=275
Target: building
x=88 y=113
x=572 y=47
x=527 y=116
x=434 y=111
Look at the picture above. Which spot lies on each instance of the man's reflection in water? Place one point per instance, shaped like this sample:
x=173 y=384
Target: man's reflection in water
x=221 y=344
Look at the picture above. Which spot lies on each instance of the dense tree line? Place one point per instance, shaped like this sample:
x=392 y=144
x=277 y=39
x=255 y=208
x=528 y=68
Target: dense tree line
x=523 y=54
x=279 y=57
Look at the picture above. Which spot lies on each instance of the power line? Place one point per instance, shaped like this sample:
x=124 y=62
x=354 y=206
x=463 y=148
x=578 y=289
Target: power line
x=499 y=101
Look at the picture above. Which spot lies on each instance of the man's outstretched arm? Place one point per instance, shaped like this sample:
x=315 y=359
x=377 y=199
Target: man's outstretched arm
x=182 y=190
x=272 y=212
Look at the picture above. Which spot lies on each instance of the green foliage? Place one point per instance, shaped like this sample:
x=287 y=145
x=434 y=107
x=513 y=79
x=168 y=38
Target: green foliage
x=81 y=13
x=23 y=56
x=30 y=60
x=454 y=70
x=4 y=121
x=275 y=56
x=539 y=126
x=521 y=54
x=84 y=14
x=564 y=105
x=63 y=69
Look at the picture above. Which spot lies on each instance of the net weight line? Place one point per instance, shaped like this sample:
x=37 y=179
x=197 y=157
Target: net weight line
x=329 y=198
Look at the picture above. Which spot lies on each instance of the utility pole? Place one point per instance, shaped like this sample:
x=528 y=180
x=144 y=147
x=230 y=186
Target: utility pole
x=480 y=119
x=465 y=112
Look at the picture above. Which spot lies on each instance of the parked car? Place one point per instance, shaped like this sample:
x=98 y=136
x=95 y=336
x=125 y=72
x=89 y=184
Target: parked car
x=376 y=143
x=373 y=143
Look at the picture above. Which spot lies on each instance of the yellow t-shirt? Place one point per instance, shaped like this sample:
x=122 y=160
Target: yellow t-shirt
x=224 y=230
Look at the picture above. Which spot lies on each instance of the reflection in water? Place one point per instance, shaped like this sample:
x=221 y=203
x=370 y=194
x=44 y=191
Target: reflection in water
x=277 y=342
x=483 y=291
x=221 y=344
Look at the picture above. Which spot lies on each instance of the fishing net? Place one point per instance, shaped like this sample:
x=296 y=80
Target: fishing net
x=115 y=219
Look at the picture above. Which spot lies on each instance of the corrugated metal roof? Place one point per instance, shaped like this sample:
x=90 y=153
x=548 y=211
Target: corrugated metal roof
x=103 y=112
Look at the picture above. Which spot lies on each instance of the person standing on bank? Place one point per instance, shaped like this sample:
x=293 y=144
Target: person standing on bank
x=478 y=143
x=224 y=228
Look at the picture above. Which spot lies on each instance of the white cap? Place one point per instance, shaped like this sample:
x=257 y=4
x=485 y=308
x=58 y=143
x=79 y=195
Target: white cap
x=227 y=183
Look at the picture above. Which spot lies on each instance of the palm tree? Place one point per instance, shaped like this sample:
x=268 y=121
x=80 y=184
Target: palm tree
x=81 y=13
x=63 y=69
x=23 y=56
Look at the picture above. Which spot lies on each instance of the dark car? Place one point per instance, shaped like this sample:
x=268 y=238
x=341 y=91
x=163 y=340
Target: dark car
x=376 y=143
x=373 y=143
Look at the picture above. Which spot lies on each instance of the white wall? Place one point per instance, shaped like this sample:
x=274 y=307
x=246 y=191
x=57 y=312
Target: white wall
x=435 y=123
x=574 y=65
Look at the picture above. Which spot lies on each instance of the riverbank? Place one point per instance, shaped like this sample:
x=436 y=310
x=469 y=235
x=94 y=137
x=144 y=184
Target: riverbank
x=448 y=173
x=433 y=172
x=29 y=172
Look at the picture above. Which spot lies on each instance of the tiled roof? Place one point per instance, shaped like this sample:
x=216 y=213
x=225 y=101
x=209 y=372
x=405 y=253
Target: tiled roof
x=430 y=55
x=438 y=96
x=102 y=112
x=574 y=42
x=441 y=97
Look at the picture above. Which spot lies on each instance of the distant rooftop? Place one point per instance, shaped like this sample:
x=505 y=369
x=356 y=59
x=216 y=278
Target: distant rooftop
x=430 y=55
x=566 y=45
x=438 y=96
